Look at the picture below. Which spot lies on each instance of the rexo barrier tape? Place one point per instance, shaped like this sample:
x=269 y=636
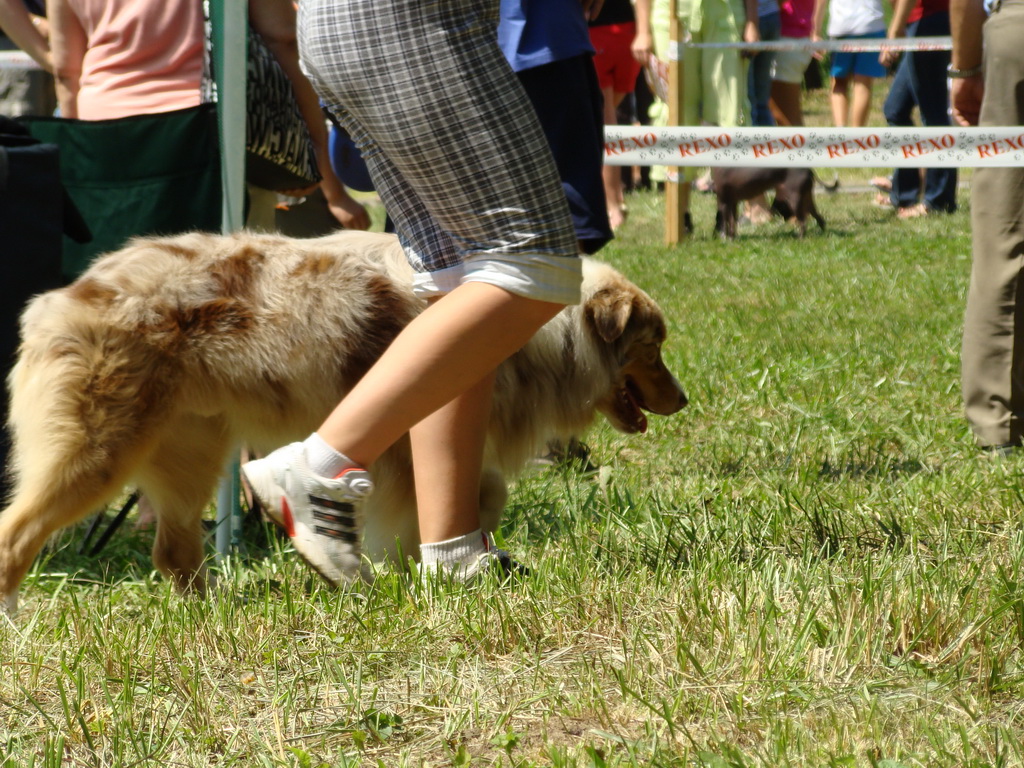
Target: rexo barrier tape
x=15 y=59
x=914 y=147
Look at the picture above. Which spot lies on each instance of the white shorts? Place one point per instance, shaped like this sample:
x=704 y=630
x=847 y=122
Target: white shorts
x=790 y=66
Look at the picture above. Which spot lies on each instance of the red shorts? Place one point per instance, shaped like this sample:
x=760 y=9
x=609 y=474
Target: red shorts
x=616 y=67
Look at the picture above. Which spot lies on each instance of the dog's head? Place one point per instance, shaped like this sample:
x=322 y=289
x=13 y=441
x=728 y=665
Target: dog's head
x=631 y=326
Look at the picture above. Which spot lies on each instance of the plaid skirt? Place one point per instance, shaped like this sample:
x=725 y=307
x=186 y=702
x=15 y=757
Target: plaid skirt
x=450 y=138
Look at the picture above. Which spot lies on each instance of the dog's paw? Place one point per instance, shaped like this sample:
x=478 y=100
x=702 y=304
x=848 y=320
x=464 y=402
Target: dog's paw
x=9 y=602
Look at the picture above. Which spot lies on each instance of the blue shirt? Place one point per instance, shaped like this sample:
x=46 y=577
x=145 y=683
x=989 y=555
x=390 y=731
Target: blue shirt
x=536 y=32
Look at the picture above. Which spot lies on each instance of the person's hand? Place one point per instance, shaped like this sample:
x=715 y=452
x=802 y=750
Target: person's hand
x=349 y=212
x=751 y=34
x=41 y=23
x=965 y=95
x=887 y=57
x=643 y=46
x=819 y=54
x=591 y=8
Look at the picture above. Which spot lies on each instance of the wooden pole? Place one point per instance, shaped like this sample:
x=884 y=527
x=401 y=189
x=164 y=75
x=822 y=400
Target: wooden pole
x=675 y=201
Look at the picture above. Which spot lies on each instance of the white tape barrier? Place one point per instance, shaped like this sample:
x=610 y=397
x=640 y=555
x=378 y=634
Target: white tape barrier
x=834 y=46
x=17 y=60
x=815 y=147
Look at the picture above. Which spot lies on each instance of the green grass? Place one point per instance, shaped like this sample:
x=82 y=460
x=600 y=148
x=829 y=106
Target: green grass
x=812 y=565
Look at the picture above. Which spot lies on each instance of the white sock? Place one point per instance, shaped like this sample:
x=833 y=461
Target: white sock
x=460 y=551
x=323 y=459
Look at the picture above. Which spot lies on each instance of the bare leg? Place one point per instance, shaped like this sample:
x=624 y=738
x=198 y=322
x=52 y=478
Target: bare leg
x=757 y=210
x=840 y=100
x=861 y=102
x=612 y=174
x=441 y=354
x=447 y=456
x=786 y=103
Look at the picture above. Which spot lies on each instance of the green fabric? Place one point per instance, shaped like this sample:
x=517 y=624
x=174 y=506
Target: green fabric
x=142 y=175
x=714 y=80
x=229 y=34
x=714 y=20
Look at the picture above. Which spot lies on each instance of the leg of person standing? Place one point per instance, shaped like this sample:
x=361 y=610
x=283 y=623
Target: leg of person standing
x=993 y=356
x=616 y=73
x=932 y=96
x=898 y=109
x=860 y=100
x=759 y=87
x=787 y=87
x=759 y=91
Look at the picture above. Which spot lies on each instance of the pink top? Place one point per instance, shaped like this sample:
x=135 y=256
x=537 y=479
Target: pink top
x=797 y=17
x=142 y=56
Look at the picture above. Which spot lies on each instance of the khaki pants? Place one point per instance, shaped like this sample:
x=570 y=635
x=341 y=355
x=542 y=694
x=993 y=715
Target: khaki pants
x=993 y=342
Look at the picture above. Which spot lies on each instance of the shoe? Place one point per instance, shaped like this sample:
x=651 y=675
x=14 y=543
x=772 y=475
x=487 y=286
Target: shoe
x=882 y=200
x=321 y=515
x=496 y=563
x=1002 y=450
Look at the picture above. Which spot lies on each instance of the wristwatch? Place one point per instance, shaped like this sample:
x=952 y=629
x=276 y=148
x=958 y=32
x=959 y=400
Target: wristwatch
x=957 y=74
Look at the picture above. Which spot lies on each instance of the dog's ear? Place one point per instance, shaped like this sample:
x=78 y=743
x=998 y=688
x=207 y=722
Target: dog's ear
x=608 y=312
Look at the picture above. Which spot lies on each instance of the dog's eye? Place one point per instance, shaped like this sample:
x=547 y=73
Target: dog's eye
x=647 y=353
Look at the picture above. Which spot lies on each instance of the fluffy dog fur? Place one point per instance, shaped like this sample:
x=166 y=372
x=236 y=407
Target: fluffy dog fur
x=166 y=355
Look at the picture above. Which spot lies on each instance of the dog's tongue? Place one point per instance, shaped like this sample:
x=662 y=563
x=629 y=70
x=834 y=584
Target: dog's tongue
x=638 y=418
x=641 y=422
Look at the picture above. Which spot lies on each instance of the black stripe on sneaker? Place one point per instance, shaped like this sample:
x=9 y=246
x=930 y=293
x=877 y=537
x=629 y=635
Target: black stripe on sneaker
x=340 y=506
x=327 y=517
x=349 y=536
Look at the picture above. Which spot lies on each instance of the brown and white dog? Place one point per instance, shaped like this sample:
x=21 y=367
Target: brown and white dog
x=166 y=355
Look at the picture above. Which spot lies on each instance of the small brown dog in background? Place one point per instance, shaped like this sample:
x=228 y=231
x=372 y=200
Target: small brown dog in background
x=794 y=194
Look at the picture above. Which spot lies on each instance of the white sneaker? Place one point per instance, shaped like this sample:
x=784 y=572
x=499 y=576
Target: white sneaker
x=321 y=515
x=496 y=563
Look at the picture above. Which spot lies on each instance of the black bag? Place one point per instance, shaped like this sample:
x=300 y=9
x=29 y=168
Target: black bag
x=279 y=150
x=170 y=185
x=34 y=214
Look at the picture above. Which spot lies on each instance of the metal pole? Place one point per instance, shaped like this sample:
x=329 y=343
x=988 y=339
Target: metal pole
x=230 y=42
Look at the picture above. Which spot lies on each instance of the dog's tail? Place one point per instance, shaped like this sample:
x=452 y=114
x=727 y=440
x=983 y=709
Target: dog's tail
x=830 y=188
x=77 y=391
